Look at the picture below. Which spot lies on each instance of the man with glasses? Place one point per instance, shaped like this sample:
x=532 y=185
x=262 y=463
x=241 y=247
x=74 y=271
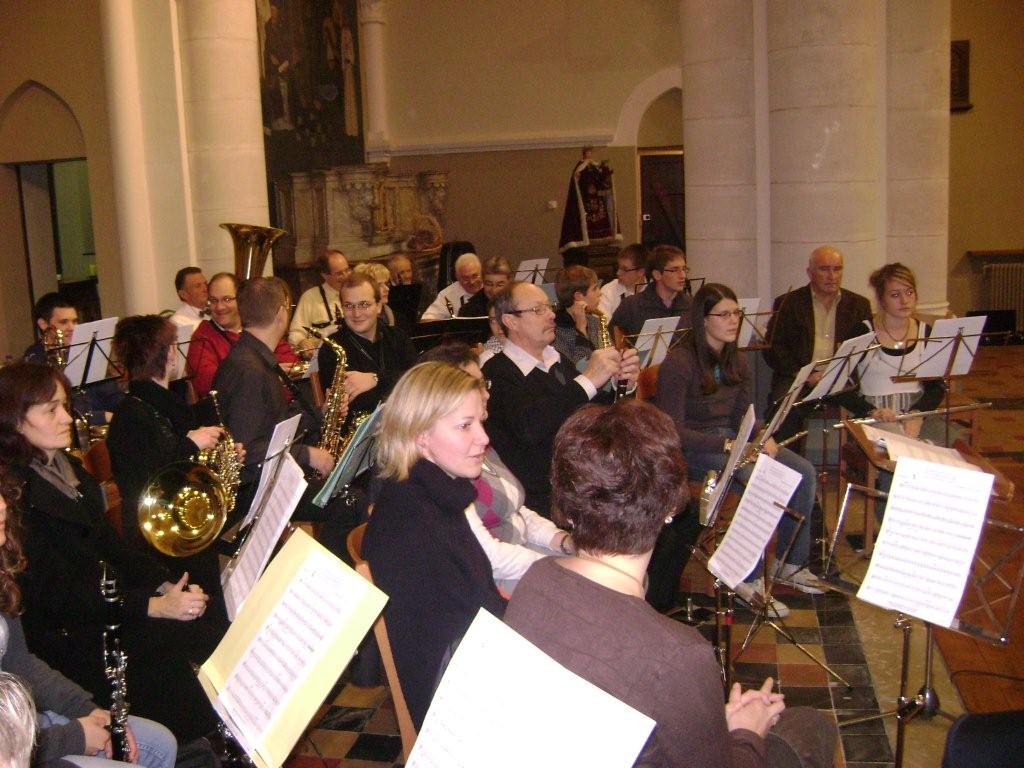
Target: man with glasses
x=808 y=323
x=630 y=274
x=497 y=276
x=664 y=296
x=534 y=388
x=320 y=307
x=378 y=354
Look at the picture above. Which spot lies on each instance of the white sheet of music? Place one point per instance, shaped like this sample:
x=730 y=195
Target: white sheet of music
x=923 y=554
x=285 y=648
x=942 y=344
x=771 y=484
x=78 y=351
x=844 y=361
x=467 y=726
x=255 y=554
x=654 y=339
x=739 y=445
x=283 y=433
x=531 y=271
x=750 y=309
x=901 y=446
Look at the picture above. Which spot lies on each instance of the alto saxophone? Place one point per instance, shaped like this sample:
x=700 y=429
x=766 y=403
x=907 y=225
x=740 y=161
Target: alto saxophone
x=335 y=404
x=115 y=664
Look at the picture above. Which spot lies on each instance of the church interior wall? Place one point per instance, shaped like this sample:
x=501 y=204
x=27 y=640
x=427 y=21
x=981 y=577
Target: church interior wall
x=986 y=175
x=662 y=123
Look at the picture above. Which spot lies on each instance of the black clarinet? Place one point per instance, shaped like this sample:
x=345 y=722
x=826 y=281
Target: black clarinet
x=115 y=664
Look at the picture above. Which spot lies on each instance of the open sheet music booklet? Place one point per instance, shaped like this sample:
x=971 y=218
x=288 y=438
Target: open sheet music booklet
x=504 y=703
x=900 y=446
x=923 y=555
x=282 y=655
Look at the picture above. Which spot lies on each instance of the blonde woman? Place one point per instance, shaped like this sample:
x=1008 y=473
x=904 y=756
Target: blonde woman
x=419 y=543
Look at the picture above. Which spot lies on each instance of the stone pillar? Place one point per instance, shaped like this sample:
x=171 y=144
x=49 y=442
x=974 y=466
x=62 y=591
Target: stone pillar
x=371 y=38
x=224 y=123
x=127 y=143
x=719 y=136
x=917 y=165
x=826 y=159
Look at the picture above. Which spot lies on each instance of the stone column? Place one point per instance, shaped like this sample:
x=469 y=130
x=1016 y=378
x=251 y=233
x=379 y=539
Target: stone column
x=224 y=123
x=127 y=143
x=826 y=154
x=371 y=38
x=719 y=137
x=917 y=165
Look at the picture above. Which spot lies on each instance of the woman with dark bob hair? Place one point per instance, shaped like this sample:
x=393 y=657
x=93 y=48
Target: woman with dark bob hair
x=66 y=537
x=71 y=726
x=151 y=428
x=705 y=386
x=617 y=472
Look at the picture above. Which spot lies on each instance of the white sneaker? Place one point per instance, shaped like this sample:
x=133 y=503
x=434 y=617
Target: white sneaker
x=751 y=594
x=798 y=578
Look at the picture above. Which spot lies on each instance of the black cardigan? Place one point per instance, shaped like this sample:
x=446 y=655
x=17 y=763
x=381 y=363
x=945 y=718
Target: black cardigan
x=425 y=557
x=65 y=540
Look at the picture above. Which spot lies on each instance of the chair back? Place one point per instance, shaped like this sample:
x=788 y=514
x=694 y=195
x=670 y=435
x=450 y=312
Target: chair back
x=354 y=543
x=97 y=463
x=318 y=389
x=647 y=383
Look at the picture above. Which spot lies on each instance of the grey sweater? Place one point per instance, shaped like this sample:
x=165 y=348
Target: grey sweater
x=51 y=691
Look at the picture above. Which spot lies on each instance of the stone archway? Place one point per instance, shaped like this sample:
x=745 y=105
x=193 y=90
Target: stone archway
x=637 y=103
x=36 y=124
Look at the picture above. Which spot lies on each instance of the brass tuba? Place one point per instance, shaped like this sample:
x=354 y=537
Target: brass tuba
x=252 y=246
x=185 y=505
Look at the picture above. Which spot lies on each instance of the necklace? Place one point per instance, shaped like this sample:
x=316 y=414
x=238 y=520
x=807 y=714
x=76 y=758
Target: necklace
x=641 y=584
x=900 y=341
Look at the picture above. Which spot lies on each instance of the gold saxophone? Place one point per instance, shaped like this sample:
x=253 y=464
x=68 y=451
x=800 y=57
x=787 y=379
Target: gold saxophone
x=604 y=340
x=185 y=505
x=331 y=439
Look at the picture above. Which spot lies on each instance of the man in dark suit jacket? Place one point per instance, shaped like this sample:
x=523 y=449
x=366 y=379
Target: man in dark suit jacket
x=810 y=322
x=534 y=389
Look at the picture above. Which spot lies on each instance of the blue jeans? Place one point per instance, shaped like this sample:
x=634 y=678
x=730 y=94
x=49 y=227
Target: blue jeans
x=157 y=746
x=802 y=501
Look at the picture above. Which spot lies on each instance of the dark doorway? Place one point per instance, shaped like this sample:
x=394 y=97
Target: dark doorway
x=662 y=216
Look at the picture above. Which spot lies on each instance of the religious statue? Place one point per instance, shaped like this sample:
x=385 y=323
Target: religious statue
x=590 y=215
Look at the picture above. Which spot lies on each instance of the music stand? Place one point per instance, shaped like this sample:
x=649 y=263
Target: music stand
x=354 y=460
x=531 y=271
x=749 y=328
x=429 y=333
x=655 y=339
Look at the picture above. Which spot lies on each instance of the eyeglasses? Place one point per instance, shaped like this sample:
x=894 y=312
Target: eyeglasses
x=362 y=306
x=676 y=270
x=214 y=301
x=538 y=310
x=725 y=315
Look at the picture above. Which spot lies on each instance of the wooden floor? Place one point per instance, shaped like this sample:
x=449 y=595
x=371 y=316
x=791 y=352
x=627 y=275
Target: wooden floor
x=990 y=677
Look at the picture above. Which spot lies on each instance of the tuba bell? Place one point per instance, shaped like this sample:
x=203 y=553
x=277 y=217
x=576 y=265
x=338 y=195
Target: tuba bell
x=252 y=246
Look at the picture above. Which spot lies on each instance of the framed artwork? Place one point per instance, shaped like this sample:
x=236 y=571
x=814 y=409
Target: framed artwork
x=960 y=76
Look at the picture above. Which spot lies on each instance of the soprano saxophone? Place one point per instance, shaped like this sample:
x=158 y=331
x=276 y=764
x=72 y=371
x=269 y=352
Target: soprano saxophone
x=115 y=664
x=604 y=339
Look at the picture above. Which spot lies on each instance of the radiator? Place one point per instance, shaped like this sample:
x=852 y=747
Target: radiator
x=1004 y=288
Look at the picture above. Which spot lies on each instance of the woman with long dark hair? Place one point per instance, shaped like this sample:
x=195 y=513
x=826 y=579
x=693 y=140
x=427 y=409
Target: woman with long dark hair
x=71 y=726
x=67 y=540
x=705 y=386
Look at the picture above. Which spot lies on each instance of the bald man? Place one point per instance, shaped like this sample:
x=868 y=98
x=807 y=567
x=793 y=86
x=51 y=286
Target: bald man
x=808 y=323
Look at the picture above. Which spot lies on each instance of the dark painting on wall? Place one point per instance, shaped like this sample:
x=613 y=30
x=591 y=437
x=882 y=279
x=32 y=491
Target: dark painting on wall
x=310 y=84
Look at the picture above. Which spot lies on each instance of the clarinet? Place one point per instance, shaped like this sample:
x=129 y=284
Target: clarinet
x=115 y=664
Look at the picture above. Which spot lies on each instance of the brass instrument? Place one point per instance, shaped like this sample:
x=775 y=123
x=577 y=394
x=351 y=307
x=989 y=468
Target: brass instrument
x=184 y=507
x=712 y=475
x=336 y=401
x=910 y=415
x=604 y=340
x=252 y=246
x=55 y=347
x=115 y=664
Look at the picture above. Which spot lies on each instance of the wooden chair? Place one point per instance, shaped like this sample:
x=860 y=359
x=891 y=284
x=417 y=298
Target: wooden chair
x=647 y=383
x=380 y=632
x=97 y=463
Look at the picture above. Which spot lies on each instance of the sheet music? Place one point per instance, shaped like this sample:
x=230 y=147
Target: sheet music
x=923 y=554
x=284 y=648
x=838 y=371
x=739 y=445
x=284 y=433
x=901 y=446
x=752 y=526
x=654 y=339
x=102 y=331
x=531 y=271
x=539 y=697
x=942 y=343
x=238 y=581
x=750 y=309
x=354 y=460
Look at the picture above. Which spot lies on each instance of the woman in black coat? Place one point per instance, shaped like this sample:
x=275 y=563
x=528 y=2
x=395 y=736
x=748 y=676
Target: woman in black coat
x=67 y=540
x=151 y=428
